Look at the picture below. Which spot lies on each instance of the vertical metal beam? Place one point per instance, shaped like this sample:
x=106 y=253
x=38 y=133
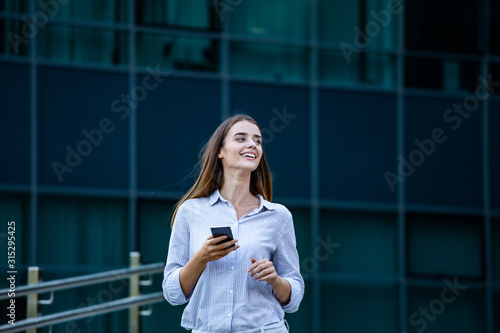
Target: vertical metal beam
x=224 y=63
x=134 y=290
x=33 y=222
x=132 y=136
x=32 y=299
x=314 y=164
x=400 y=151
x=484 y=16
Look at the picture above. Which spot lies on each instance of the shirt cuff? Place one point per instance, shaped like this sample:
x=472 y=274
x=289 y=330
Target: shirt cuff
x=173 y=291
x=295 y=296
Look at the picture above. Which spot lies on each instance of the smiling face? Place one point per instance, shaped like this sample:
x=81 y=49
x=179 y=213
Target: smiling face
x=242 y=148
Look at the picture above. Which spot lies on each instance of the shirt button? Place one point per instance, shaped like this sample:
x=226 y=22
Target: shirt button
x=229 y=315
x=232 y=268
x=230 y=291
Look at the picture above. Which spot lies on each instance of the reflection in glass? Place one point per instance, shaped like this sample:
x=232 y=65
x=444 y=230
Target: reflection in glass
x=357 y=69
x=371 y=23
x=441 y=74
x=178 y=52
x=81 y=45
x=14 y=42
x=93 y=10
x=17 y=6
x=260 y=18
x=269 y=62
x=198 y=14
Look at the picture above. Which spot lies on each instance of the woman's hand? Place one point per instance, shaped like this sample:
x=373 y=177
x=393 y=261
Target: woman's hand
x=189 y=275
x=263 y=270
x=210 y=251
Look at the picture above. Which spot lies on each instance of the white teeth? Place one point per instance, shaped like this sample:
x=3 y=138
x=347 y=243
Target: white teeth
x=249 y=155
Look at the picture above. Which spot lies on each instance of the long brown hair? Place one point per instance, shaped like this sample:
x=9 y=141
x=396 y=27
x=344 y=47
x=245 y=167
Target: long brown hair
x=211 y=171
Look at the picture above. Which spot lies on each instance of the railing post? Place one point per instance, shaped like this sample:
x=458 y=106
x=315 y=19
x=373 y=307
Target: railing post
x=134 y=290
x=32 y=302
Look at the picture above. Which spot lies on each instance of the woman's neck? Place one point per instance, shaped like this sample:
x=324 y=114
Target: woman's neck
x=236 y=189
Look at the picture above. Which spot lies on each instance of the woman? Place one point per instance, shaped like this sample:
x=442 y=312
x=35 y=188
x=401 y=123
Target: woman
x=243 y=288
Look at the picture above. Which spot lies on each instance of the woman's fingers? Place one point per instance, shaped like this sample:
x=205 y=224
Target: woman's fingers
x=266 y=275
x=222 y=245
x=213 y=251
x=255 y=263
x=212 y=241
x=261 y=268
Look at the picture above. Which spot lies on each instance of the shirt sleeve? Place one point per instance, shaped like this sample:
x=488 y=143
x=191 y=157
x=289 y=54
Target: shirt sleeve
x=177 y=258
x=286 y=262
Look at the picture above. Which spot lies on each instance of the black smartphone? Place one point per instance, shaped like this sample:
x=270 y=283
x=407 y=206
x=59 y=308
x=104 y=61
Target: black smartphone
x=219 y=231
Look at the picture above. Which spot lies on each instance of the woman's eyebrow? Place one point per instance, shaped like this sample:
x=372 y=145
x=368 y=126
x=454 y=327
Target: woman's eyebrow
x=243 y=133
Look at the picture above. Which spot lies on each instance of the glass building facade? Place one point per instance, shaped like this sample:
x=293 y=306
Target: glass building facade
x=380 y=121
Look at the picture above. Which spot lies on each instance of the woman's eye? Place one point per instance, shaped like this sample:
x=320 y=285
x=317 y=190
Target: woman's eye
x=239 y=139
x=257 y=141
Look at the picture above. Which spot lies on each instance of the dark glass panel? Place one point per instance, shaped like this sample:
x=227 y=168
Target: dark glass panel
x=357 y=146
x=444 y=26
x=443 y=155
x=15 y=124
x=445 y=246
x=83 y=133
x=283 y=116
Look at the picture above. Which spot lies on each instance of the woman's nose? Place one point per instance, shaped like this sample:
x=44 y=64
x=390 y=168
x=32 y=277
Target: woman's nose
x=251 y=144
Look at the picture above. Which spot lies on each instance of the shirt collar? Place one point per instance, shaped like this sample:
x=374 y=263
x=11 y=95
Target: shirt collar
x=216 y=196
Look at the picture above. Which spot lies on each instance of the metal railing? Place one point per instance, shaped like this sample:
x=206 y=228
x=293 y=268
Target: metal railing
x=133 y=302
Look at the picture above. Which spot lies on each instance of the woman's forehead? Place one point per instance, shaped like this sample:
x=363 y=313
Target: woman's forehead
x=245 y=127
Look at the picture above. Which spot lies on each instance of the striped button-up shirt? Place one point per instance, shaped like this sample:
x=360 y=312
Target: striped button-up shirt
x=226 y=298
